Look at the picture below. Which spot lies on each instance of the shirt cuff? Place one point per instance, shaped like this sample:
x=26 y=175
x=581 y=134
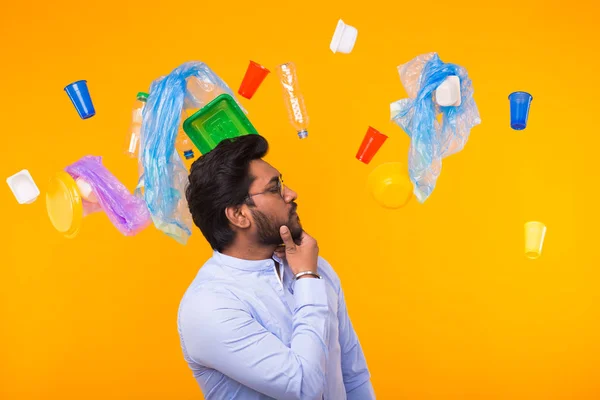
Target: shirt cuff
x=310 y=291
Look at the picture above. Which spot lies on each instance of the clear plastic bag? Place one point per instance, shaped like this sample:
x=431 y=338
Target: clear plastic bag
x=126 y=212
x=163 y=176
x=417 y=116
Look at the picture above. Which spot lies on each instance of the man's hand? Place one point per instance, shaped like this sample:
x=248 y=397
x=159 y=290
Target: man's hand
x=302 y=256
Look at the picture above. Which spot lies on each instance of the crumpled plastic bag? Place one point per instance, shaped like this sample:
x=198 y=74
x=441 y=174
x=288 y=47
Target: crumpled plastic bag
x=417 y=116
x=163 y=176
x=126 y=212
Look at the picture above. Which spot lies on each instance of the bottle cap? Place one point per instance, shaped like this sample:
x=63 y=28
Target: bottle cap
x=302 y=134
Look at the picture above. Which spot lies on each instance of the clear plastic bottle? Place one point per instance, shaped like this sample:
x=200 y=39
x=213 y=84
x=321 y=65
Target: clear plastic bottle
x=293 y=98
x=183 y=144
x=133 y=139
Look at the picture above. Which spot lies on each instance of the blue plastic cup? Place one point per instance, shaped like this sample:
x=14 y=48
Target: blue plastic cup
x=519 y=109
x=80 y=96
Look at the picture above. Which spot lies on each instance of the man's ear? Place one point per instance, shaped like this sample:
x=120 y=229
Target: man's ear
x=238 y=216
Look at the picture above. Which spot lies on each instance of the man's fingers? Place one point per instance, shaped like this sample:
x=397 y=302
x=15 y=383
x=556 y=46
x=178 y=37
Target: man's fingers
x=287 y=238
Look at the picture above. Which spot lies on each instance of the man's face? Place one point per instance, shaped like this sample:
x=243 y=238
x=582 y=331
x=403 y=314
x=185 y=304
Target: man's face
x=273 y=204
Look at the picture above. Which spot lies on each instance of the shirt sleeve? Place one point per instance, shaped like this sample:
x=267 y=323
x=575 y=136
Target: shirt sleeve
x=221 y=334
x=357 y=378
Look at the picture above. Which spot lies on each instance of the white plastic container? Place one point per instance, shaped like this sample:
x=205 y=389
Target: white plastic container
x=344 y=38
x=23 y=187
x=448 y=93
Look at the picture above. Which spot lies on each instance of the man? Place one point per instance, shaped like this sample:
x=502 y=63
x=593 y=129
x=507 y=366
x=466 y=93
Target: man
x=257 y=323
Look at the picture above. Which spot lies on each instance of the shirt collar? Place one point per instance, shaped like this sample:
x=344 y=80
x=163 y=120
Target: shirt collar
x=246 y=265
x=288 y=279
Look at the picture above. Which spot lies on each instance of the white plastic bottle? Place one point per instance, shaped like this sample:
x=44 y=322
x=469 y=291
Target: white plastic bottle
x=293 y=98
x=133 y=139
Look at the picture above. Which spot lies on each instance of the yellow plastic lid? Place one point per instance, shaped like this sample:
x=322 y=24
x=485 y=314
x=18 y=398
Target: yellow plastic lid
x=390 y=185
x=63 y=203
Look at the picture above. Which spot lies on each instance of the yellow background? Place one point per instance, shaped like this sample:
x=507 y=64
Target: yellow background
x=444 y=302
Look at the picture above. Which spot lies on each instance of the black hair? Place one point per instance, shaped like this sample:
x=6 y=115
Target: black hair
x=221 y=179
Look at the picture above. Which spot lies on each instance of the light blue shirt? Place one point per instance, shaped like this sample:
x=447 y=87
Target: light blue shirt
x=248 y=335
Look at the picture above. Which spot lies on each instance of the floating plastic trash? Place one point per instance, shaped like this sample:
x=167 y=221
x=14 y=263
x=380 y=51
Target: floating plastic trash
x=163 y=176
x=293 y=98
x=535 y=232
x=255 y=75
x=221 y=119
x=390 y=185
x=135 y=131
x=370 y=145
x=519 y=109
x=23 y=187
x=431 y=141
x=344 y=38
x=64 y=204
x=86 y=191
x=85 y=187
x=448 y=93
x=80 y=97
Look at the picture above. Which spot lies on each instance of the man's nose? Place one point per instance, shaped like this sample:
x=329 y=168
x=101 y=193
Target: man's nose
x=289 y=195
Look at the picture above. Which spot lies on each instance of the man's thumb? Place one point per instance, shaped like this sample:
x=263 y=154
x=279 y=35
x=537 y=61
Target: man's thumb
x=284 y=232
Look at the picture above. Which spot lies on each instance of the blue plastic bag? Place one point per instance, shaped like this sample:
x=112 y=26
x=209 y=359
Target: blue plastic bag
x=163 y=176
x=431 y=141
x=126 y=212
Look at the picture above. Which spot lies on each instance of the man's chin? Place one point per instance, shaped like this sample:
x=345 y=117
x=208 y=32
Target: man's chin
x=296 y=230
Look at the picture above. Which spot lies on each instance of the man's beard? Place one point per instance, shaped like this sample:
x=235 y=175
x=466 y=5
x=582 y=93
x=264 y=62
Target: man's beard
x=268 y=230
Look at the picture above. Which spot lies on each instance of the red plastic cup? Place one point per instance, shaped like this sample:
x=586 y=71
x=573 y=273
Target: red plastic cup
x=255 y=74
x=370 y=145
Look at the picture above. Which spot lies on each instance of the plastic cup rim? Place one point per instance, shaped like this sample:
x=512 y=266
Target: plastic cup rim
x=539 y=223
x=259 y=65
x=520 y=94
x=74 y=83
x=371 y=129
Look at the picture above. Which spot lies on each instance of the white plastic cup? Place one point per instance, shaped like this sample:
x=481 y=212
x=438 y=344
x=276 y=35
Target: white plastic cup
x=23 y=187
x=344 y=38
x=534 y=239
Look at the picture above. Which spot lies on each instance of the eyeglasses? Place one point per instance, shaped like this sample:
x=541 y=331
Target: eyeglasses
x=279 y=188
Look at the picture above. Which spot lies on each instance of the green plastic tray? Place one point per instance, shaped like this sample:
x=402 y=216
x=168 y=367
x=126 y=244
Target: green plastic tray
x=220 y=119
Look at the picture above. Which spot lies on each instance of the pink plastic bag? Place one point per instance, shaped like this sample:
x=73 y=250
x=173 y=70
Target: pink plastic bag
x=127 y=212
